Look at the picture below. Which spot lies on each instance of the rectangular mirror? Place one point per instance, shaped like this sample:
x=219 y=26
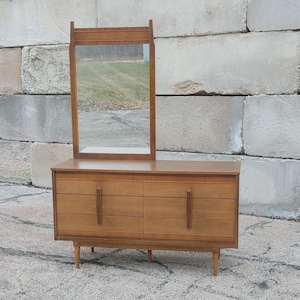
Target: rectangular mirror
x=113 y=98
x=113 y=93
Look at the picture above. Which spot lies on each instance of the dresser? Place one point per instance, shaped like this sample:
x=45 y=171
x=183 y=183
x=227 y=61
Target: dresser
x=114 y=193
x=147 y=204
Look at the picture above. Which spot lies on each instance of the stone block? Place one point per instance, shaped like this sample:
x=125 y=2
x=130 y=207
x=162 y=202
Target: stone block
x=199 y=124
x=272 y=126
x=234 y=64
x=36 y=118
x=271 y=15
x=10 y=71
x=268 y=186
x=15 y=165
x=33 y=22
x=44 y=157
x=51 y=21
x=175 y=17
x=45 y=70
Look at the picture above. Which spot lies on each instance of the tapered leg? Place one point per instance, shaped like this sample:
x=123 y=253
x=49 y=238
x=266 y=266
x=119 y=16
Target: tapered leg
x=92 y=249
x=77 y=254
x=149 y=256
x=216 y=255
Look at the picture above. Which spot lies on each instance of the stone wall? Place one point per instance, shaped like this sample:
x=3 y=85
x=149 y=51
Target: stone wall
x=227 y=81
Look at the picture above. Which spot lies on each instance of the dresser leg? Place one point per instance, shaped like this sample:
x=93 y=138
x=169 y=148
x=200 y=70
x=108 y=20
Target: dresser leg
x=92 y=249
x=149 y=256
x=77 y=254
x=216 y=255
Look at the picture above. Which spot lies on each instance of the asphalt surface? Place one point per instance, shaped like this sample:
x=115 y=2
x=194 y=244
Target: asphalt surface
x=114 y=128
x=34 y=266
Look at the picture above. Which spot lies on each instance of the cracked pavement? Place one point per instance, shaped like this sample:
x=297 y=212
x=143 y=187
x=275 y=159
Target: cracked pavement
x=34 y=266
x=115 y=128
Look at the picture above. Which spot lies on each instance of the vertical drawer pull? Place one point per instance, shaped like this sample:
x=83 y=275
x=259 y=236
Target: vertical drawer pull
x=188 y=208
x=99 y=206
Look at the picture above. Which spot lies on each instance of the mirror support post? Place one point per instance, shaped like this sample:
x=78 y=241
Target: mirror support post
x=74 y=105
x=152 y=93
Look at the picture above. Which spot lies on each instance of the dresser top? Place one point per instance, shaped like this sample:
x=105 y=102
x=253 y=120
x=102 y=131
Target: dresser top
x=149 y=166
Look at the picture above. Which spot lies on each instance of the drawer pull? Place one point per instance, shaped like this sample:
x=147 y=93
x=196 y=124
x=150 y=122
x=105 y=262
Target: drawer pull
x=99 y=206
x=188 y=208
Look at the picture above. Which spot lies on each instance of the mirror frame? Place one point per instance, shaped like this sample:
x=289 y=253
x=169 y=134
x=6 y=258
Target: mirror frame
x=108 y=36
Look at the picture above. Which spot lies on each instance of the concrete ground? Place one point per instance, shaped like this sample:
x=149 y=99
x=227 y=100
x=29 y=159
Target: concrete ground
x=34 y=266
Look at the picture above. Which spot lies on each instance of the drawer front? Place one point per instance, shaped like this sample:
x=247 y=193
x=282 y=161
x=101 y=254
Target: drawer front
x=111 y=205
x=199 y=190
x=202 y=229
x=121 y=216
x=86 y=226
x=200 y=208
x=108 y=187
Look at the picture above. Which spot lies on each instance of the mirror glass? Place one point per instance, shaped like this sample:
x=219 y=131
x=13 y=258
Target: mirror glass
x=113 y=98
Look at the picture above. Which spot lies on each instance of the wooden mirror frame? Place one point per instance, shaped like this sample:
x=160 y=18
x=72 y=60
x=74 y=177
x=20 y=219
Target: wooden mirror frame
x=108 y=36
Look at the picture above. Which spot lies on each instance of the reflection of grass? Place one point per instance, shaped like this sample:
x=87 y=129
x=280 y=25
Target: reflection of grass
x=112 y=85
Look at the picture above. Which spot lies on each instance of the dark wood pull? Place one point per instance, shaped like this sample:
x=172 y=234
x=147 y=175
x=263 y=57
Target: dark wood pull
x=99 y=206
x=188 y=209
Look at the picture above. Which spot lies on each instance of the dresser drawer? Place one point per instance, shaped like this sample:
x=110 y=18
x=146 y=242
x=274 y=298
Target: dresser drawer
x=120 y=215
x=89 y=187
x=199 y=190
x=201 y=230
x=200 y=208
x=111 y=205
x=86 y=226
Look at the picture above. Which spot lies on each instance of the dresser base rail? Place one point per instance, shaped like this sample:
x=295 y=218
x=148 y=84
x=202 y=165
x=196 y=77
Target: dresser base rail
x=215 y=253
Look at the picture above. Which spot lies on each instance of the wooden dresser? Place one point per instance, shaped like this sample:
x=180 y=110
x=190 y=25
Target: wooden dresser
x=153 y=205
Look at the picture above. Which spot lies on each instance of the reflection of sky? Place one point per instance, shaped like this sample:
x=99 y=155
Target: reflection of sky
x=146 y=52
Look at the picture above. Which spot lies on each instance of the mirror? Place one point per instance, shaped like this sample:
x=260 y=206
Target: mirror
x=113 y=92
x=113 y=98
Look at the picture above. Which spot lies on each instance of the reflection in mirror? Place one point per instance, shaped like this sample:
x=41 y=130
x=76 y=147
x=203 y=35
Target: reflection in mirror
x=113 y=98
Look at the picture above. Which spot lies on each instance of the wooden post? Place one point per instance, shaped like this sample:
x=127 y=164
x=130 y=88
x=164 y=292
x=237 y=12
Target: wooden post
x=149 y=256
x=77 y=254
x=216 y=255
